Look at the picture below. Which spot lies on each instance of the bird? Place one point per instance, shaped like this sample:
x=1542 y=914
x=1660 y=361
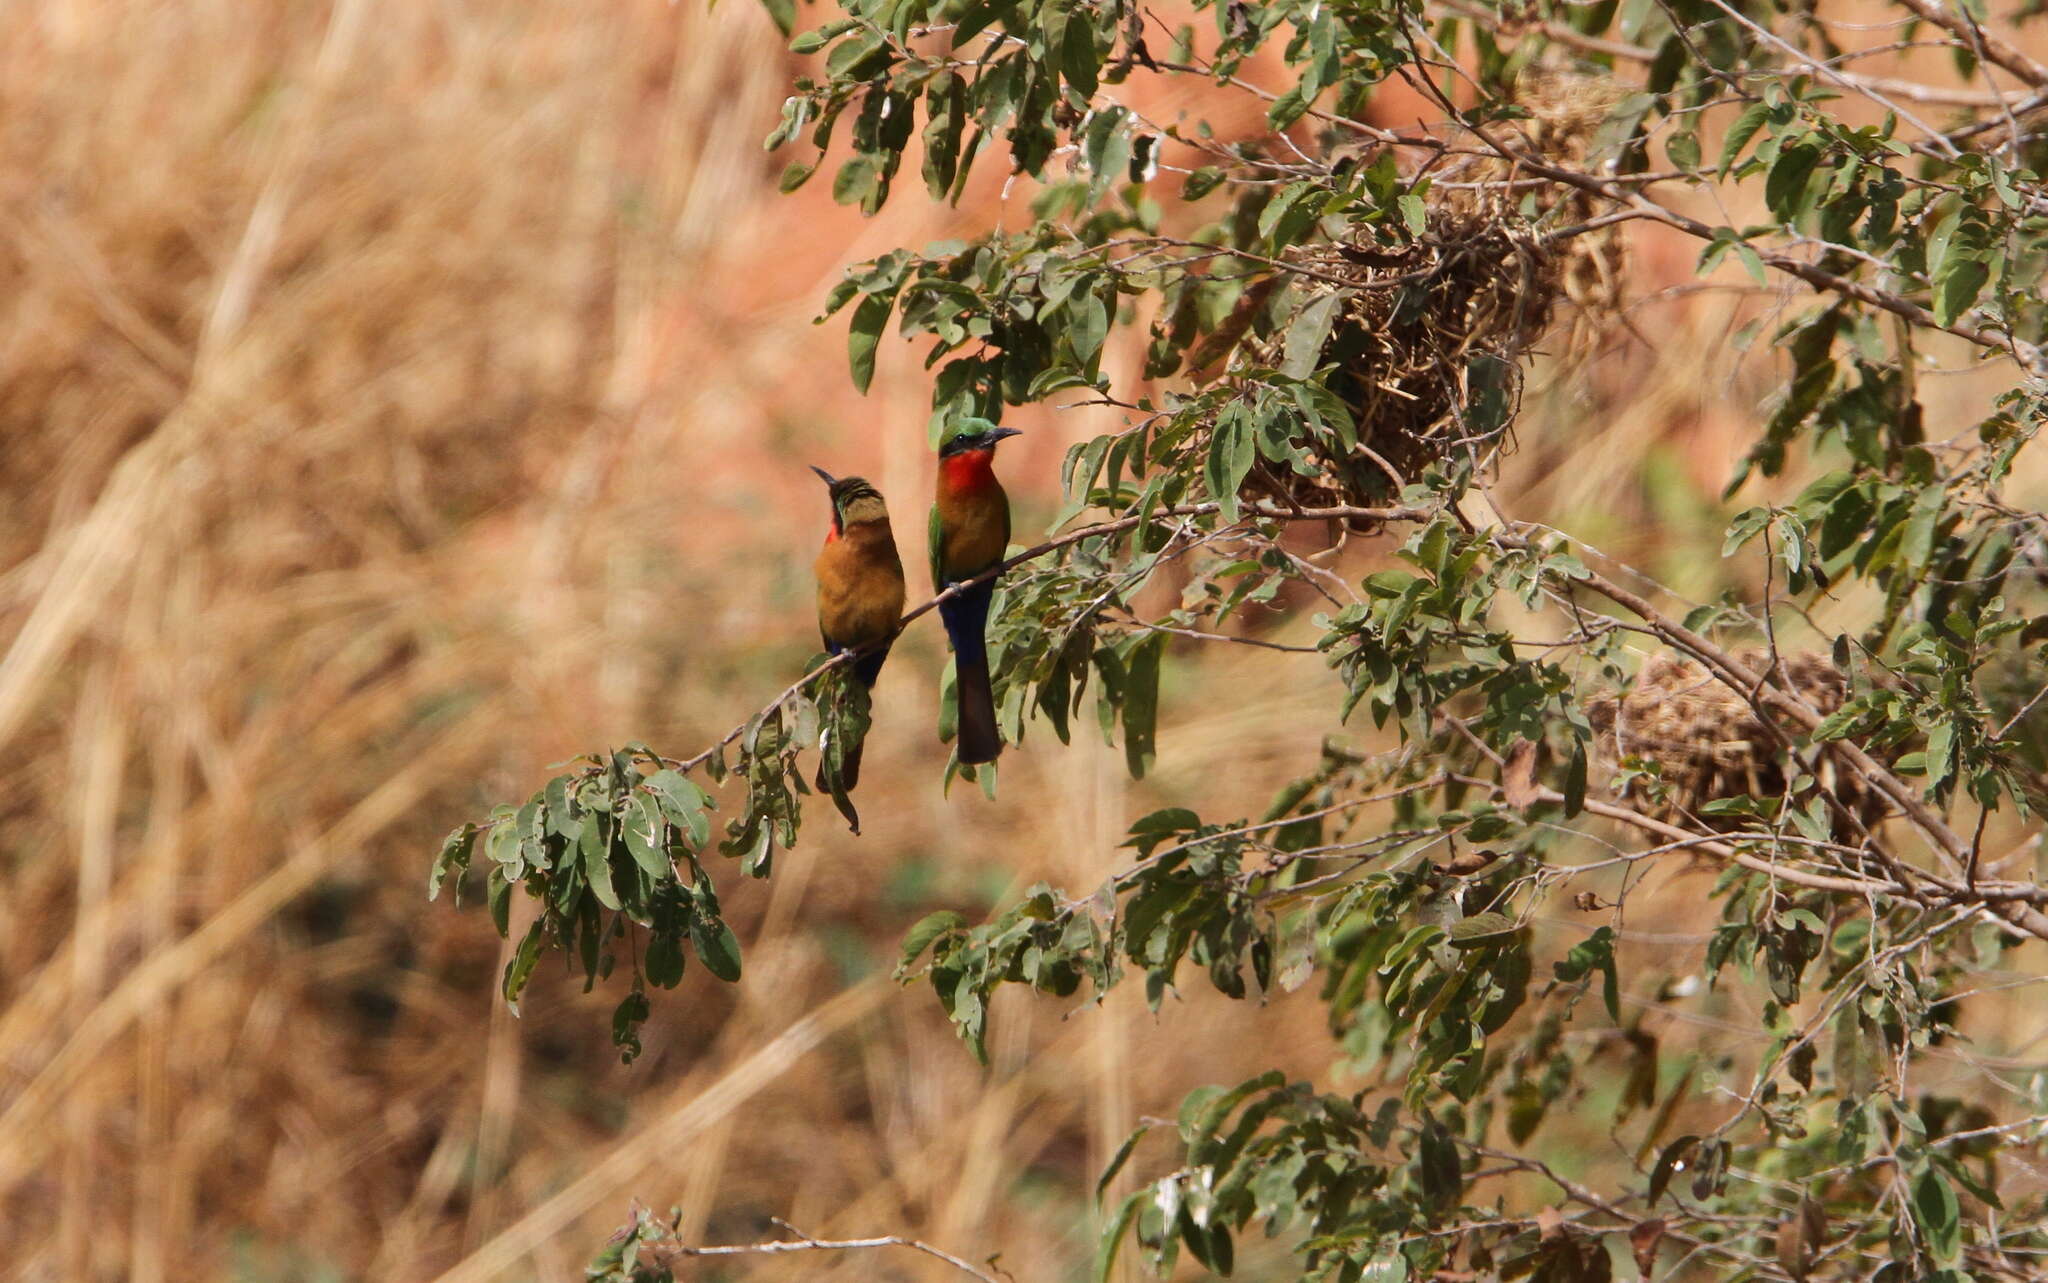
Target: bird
x=860 y=600
x=970 y=532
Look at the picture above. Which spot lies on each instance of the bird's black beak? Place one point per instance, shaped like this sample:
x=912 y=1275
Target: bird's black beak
x=830 y=480
x=997 y=434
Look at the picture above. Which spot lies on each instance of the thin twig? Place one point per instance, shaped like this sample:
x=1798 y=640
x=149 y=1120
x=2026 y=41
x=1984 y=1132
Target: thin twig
x=807 y=1243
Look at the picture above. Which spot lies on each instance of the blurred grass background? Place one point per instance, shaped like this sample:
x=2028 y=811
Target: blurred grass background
x=395 y=399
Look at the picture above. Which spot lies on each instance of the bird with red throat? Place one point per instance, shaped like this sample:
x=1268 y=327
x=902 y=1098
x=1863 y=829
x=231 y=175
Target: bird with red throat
x=970 y=532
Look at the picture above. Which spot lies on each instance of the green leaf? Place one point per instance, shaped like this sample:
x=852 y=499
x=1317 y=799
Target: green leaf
x=1596 y=952
x=976 y=18
x=683 y=802
x=1939 y=1215
x=1205 y=1110
x=1307 y=333
x=1786 y=184
x=717 y=948
x=848 y=58
x=1739 y=133
x=520 y=969
x=1113 y=1234
x=1283 y=201
x=1088 y=324
x=1747 y=525
x=926 y=930
x=1480 y=929
x=498 y=891
x=1917 y=548
x=1940 y=753
x=594 y=842
x=1286 y=109
x=869 y=318
x=1079 y=61
x=1116 y=1163
x=809 y=42
x=795 y=175
x=1414 y=213
x=857 y=180
x=502 y=844
x=627 y=1018
x=1232 y=447
x=644 y=832
x=453 y=858
x=1752 y=262
x=1575 y=781
x=1141 y=703
x=1438 y=1168
x=1956 y=285
x=1668 y=1165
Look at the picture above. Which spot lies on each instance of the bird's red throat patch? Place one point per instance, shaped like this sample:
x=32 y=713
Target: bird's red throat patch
x=968 y=470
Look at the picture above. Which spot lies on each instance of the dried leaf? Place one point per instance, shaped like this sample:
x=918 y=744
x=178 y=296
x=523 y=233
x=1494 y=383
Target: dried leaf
x=1642 y=1240
x=1800 y=1236
x=1518 y=777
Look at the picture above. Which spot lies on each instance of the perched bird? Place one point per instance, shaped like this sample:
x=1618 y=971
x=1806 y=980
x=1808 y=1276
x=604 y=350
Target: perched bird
x=970 y=532
x=860 y=595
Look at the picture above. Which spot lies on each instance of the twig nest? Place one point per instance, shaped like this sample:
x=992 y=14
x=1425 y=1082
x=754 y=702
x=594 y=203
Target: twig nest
x=1572 y=121
x=1426 y=340
x=1707 y=741
x=1424 y=325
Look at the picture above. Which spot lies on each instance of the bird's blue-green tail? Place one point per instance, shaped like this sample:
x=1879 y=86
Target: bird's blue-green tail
x=966 y=620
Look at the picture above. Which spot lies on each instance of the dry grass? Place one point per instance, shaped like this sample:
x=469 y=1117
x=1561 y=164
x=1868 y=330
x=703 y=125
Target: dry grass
x=394 y=400
x=396 y=408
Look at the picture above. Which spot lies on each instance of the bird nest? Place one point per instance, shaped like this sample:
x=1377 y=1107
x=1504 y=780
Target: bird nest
x=1425 y=341
x=1707 y=741
x=1569 y=122
x=1431 y=328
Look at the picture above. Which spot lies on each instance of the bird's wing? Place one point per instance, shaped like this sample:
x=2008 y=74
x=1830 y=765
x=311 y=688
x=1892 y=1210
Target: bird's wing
x=936 y=538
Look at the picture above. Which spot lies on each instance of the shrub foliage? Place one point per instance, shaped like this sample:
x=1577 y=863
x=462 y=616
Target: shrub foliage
x=1340 y=314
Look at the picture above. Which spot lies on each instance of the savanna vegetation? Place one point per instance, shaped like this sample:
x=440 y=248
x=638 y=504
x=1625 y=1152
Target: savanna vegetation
x=1522 y=654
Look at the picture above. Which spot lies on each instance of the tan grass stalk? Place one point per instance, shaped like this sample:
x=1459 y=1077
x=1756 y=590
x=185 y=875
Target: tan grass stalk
x=688 y=1115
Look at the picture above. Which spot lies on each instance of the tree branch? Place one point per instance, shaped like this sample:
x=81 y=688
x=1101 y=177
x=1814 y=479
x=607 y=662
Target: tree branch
x=1911 y=90
x=807 y=1243
x=1757 y=688
x=1115 y=526
x=1998 y=51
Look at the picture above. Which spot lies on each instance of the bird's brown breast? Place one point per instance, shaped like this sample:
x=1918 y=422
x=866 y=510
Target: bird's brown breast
x=860 y=585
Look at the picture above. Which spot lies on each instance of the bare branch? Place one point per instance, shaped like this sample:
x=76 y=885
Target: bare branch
x=808 y=1243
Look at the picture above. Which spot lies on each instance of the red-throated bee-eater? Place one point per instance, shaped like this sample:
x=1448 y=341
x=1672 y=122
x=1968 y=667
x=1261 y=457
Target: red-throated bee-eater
x=970 y=532
x=860 y=593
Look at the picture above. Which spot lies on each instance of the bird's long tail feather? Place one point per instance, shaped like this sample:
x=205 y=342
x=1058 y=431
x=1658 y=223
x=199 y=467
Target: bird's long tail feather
x=966 y=619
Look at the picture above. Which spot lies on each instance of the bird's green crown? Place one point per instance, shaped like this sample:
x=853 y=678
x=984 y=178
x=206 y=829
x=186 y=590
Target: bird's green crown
x=970 y=433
